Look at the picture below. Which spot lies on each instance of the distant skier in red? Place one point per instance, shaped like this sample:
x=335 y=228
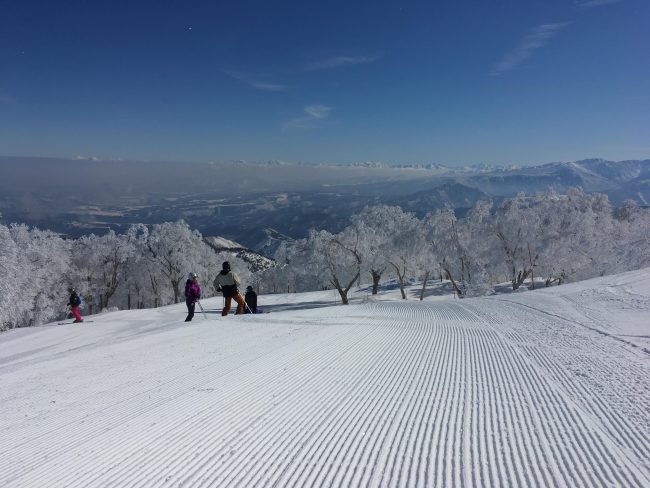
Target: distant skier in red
x=74 y=303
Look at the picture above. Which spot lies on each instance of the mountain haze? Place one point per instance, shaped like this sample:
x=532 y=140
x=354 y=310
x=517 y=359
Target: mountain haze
x=248 y=202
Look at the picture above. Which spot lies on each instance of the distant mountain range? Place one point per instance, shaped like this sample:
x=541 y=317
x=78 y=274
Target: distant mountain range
x=262 y=204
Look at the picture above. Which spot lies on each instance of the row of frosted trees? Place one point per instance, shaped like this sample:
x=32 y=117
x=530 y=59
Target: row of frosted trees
x=145 y=267
x=546 y=238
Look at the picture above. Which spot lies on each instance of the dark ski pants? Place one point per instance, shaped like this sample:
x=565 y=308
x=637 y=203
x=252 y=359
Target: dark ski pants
x=190 y=310
x=240 y=305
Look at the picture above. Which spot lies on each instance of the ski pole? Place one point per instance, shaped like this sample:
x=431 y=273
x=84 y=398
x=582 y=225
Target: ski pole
x=245 y=304
x=205 y=316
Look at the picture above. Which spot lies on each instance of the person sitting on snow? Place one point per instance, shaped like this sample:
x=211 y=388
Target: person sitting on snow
x=251 y=301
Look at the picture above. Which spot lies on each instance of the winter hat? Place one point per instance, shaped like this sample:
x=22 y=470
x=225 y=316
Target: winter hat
x=226 y=265
x=249 y=288
x=191 y=276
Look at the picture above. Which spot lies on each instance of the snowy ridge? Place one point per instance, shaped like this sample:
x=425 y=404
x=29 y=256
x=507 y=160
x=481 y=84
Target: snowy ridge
x=541 y=388
x=222 y=243
x=256 y=261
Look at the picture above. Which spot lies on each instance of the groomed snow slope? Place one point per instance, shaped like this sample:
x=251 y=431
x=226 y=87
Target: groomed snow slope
x=545 y=388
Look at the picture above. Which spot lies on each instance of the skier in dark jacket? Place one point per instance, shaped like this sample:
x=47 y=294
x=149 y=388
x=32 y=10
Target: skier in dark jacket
x=251 y=301
x=192 y=294
x=74 y=303
x=227 y=283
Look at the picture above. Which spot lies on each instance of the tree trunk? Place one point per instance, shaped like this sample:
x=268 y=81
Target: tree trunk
x=532 y=273
x=177 y=291
x=453 y=283
x=88 y=299
x=111 y=285
x=344 y=296
x=343 y=292
x=424 y=285
x=376 y=276
x=400 y=279
x=519 y=279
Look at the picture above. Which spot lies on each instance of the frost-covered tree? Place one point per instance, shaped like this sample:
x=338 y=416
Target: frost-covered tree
x=451 y=241
x=337 y=257
x=632 y=250
x=515 y=224
x=104 y=263
x=85 y=271
x=150 y=282
x=137 y=287
x=178 y=250
x=405 y=246
x=375 y=239
x=556 y=237
x=428 y=262
x=49 y=259
x=577 y=235
x=10 y=302
x=36 y=264
x=594 y=233
x=277 y=277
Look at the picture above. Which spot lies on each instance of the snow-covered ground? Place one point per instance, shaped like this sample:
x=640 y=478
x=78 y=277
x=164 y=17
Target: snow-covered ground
x=545 y=388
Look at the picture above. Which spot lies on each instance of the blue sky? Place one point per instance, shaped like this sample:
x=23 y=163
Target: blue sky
x=455 y=83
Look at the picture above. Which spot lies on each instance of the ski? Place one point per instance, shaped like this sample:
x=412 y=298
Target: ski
x=83 y=322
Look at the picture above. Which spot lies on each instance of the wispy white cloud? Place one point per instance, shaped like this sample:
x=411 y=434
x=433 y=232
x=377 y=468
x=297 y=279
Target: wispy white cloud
x=339 y=61
x=596 y=3
x=271 y=87
x=313 y=113
x=536 y=39
x=318 y=111
x=86 y=158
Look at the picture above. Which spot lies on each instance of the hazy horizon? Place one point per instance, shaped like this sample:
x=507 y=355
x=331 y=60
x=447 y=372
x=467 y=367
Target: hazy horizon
x=239 y=200
x=359 y=163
